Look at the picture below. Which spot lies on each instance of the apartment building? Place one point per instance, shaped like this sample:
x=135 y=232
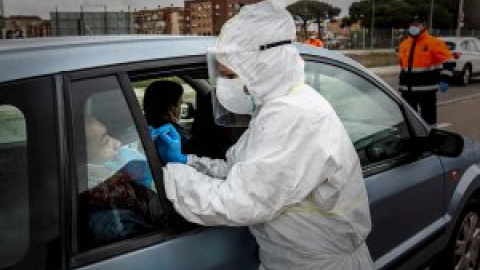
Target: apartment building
x=166 y=20
x=206 y=17
x=25 y=27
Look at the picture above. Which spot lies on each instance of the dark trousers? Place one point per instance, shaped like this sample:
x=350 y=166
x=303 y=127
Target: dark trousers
x=424 y=102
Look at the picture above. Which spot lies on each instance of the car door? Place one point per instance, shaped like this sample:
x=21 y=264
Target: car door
x=468 y=56
x=30 y=219
x=120 y=218
x=475 y=50
x=405 y=189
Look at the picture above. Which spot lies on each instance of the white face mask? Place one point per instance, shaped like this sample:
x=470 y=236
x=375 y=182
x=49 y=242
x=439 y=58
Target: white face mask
x=230 y=93
x=414 y=31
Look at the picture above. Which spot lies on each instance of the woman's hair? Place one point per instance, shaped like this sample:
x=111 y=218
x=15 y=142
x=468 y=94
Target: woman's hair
x=159 y=98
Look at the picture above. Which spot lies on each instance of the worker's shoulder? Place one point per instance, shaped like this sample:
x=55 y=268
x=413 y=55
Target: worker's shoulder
x=305 y=103
x=406 y=42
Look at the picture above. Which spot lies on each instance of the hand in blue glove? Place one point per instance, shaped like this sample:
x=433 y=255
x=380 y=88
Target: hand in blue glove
x=443 y=87
x=169 y=145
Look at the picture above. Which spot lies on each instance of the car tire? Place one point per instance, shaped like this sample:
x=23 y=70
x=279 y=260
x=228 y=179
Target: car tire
x=463 y=250
x=466 y=75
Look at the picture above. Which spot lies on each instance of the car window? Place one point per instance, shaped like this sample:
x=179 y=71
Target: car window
x=14 y=188
x=373 y=120
x=451 y=46
x=464 y=45
x=117 y=198
x=472 y=46
x=200 y=135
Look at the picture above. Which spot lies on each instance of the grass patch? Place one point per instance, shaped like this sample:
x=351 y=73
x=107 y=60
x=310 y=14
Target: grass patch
x=376 y=59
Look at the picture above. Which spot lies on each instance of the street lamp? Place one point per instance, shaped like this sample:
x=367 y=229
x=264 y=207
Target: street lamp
x=460 y=18
x=372 y=43
x=363 y=30
x=432 y=5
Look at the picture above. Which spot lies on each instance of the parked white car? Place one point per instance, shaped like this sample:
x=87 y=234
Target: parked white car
x=466 y=51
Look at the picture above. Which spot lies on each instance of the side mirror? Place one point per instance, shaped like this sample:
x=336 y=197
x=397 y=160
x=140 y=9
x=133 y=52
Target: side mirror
x=445 y=143
x=441 y=143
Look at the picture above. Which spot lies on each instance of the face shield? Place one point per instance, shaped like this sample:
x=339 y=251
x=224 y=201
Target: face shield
x=233 y=106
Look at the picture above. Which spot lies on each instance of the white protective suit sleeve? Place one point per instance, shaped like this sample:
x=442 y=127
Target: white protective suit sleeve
x=216 y=168
x=274 y=172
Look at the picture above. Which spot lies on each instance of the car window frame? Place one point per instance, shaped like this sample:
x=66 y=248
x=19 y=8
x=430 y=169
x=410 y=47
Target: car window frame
x=121 y=72
x=414 y=124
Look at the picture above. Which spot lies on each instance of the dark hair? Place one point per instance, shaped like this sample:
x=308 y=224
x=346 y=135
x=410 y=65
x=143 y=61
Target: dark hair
x=418 y=18
x=159 y=98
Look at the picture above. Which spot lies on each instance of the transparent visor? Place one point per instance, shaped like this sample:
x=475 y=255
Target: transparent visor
x=221 y=115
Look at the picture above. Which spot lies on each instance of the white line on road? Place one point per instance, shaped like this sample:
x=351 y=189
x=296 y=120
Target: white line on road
x=456 y=100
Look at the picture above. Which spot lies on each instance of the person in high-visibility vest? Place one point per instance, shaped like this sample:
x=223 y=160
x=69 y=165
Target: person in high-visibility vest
x=426 y=66
x=314 y=41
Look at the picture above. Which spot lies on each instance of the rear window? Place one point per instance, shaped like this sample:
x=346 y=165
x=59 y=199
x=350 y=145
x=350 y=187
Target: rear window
x=451 y=46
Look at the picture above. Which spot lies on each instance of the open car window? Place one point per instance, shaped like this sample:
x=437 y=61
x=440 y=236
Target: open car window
x=200 y=135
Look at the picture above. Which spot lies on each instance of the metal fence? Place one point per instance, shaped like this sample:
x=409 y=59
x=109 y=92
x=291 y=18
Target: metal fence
x=364 y=39
x=91 y=23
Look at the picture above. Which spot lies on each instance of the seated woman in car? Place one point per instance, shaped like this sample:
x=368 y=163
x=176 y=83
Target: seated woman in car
x=161 y=105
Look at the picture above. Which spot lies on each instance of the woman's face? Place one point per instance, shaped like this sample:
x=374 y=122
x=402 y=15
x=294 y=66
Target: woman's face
x=174 y=112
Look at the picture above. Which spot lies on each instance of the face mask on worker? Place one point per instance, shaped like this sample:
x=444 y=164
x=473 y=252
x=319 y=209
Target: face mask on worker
x=231 y=95
x=414 y=31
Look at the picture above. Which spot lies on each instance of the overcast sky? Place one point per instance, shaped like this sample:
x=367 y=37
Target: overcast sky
x=43 y=8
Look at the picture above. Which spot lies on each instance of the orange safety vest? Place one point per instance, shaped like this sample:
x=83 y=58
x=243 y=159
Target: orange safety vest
x=424 y=61
x=315 y=42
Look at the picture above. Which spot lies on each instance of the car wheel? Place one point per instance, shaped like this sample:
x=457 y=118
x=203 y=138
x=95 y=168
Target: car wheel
x=463 y=251
x=466 y=75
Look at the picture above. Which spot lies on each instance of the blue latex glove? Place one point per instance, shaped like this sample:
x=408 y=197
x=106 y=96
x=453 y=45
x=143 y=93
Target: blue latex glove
x=443 y=87
x=168 y=143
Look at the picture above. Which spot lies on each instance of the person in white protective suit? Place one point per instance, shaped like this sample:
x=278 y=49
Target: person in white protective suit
x=294 y=176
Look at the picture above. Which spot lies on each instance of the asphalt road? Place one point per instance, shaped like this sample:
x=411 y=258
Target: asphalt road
x=458 y=109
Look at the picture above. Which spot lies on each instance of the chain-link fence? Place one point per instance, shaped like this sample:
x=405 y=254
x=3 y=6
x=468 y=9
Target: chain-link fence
x=365 y=39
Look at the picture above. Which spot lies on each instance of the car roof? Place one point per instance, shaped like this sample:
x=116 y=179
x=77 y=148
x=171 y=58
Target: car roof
x=26 y=58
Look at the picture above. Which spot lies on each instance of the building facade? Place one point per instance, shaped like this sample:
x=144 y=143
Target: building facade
x=91 y=23
x=25 y=27
x=167 y=20
x=207 y=17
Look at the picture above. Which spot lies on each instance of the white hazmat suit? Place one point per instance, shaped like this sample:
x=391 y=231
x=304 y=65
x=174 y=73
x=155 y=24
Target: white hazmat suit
x=294 y=176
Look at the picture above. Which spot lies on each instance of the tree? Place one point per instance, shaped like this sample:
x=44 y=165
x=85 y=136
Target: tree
x=322 y=11
x=300 y=12
x=472 y=20
x=397 y=13
x=309 y=10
